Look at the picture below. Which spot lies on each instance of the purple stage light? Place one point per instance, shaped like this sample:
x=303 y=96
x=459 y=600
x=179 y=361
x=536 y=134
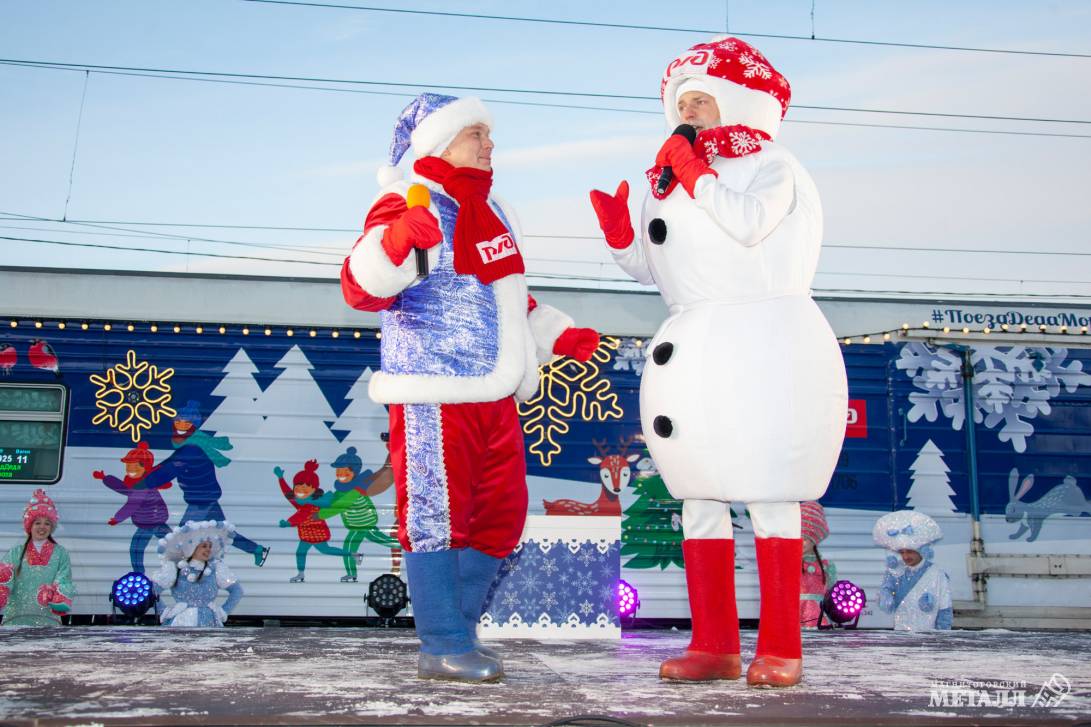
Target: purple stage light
x=844 y=603
x=627 y=600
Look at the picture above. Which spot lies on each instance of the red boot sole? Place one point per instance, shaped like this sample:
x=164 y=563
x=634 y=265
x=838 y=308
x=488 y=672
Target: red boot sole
x=700 y=666
x=772 y=671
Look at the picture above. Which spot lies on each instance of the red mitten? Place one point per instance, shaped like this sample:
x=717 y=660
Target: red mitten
x=6 y=572
x=613 y=214
x=677 y=153
x=579 y=343
x=46 y=593
x=98 y=475
x=112 y=521
x=416 y=228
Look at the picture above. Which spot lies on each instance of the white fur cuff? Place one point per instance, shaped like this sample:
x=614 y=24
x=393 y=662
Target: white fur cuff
x=373 y=270
x=546 y=325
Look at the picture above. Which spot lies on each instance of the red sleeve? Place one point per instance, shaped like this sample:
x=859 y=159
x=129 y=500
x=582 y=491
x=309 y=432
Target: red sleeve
x=388 y=208
x=301 y=515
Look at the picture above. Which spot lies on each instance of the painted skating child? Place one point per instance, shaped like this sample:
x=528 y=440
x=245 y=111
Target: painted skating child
x=144 y=506
x=307 y=498
x=914 y=589
x=36 y=577
x=193 y=570
x=818 y=574
x=352 y=501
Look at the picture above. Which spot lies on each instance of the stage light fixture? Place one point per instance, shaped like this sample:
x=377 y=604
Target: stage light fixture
x=132 y=594
x=844 y=603
x=388 y=596
x=628 y=601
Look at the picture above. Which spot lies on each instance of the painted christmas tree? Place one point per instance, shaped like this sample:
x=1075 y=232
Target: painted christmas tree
x=296 y=415
x=365 y=421
x=236 y=413
x=651 y=531
x=931 y=489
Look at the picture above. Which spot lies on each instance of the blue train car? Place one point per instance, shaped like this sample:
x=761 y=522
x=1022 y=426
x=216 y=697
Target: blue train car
x=79 y=391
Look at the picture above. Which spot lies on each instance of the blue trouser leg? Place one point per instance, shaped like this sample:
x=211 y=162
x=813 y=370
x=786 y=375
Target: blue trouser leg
x=476 y=571
x=136 y=548
x=436 y=595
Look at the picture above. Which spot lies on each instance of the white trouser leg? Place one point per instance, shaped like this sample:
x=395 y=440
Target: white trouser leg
x=708 y=520
x=775 y=519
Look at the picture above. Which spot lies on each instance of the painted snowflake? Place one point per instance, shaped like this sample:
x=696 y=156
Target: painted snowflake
x=1012 y=385
x=630 y=351
x=586 y=608
x=132 y=396
x=569 y=388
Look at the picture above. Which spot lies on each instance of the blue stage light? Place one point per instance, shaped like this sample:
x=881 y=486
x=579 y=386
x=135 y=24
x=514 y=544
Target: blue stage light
x=132 y=594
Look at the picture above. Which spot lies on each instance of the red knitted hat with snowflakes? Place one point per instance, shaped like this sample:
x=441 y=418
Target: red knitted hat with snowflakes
x=747 y=89
x=40 y=505
x=813 y=522
x=140 y=455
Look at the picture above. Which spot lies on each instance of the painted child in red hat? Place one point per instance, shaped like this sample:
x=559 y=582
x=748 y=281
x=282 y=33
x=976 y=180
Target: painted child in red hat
x=144 y=506
x=307 y=498
x=36 y=577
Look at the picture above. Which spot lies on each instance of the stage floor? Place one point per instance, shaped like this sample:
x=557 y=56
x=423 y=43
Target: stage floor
x=132 y=675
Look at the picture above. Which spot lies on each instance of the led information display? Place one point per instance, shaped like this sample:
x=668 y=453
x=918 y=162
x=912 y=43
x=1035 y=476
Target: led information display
x=33 y=420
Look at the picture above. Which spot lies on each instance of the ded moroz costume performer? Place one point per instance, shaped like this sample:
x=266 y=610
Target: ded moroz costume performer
x=745 y=396
x=459 y=347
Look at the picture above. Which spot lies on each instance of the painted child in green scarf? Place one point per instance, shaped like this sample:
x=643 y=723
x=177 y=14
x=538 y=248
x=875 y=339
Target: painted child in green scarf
x=352 y=501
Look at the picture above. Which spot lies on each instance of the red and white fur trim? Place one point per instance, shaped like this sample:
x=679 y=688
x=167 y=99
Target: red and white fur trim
x=436 y=131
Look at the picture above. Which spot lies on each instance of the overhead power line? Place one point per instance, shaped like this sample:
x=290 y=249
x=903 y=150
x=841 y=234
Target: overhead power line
x=496 y=89
x=542 y=236
x=126 y=248
x=669 y=29
x=540 y=104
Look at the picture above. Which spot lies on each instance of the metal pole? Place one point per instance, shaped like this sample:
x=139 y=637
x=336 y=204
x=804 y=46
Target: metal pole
x=977 y=544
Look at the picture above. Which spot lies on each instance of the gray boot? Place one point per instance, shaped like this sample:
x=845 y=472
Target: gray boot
x=469 y=667
x=447 y=649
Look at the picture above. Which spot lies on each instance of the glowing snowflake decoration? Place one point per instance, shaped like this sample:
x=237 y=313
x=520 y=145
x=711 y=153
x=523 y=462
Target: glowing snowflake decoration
x=132 y=396
x=569 y=388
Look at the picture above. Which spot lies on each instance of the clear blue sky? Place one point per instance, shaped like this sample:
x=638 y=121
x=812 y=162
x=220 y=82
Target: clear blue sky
x=174 y=151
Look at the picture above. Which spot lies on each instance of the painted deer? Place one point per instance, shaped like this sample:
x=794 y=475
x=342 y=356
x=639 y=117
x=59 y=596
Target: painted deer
x=615 y=471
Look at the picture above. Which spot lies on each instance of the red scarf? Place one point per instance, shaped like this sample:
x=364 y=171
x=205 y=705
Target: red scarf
x=729 y=142
x=483 y=245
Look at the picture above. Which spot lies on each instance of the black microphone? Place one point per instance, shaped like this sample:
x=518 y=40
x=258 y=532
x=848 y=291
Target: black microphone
x=667 y=174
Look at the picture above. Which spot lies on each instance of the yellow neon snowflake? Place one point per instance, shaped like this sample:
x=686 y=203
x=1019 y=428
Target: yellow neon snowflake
x=569 y=388
x=132 y=396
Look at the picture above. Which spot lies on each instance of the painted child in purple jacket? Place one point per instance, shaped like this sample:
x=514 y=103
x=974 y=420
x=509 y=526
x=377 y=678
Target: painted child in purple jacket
x=144 y=506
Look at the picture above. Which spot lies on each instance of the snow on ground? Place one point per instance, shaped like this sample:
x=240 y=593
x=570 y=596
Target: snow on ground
x=298 y=675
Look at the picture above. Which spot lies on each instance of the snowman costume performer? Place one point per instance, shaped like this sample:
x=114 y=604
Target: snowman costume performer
x=460 y=346
x=745 y=396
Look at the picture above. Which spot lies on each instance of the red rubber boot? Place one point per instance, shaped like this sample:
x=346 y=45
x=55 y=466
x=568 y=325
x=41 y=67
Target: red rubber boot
x=779 y=658
x=713 y=652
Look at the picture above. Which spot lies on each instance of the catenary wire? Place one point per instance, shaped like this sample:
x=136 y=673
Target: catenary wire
x=495 y=89
x=663 y=28
x=583 y=107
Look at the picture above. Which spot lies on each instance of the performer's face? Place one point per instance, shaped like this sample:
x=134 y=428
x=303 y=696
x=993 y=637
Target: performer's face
x=202 y=551
x=471 y=148
x=699 y=110
x=41 y=528
x=910 y=557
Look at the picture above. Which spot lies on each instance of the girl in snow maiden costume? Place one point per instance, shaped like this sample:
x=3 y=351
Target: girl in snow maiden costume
x=36 y=576
x=459 y=346
x=914 y=589
x=745 y=396
x=193 y=570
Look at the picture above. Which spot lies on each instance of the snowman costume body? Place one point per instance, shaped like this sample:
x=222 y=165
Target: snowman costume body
x=744 y=398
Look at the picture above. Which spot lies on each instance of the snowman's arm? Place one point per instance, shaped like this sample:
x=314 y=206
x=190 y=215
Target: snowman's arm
x=631 y=259
x=750 y=215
